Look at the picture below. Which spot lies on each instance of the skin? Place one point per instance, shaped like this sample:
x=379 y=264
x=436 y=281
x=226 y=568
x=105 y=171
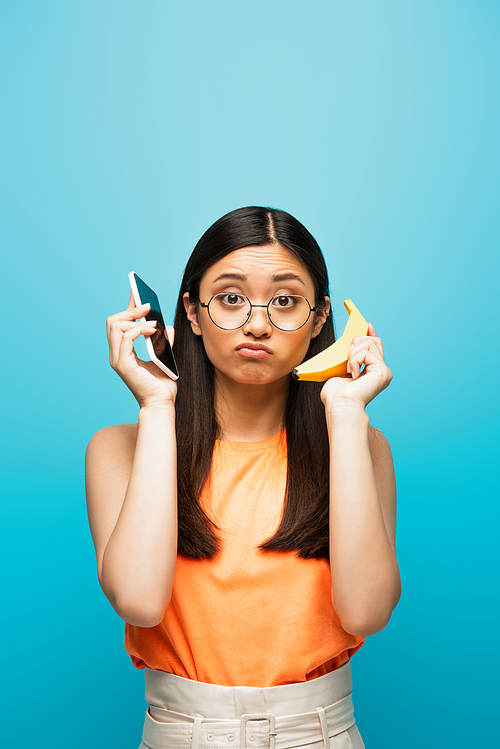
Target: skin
x=250 y=392
x=131 y=469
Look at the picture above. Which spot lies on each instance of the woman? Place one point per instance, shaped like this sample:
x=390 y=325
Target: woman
x=245 y=526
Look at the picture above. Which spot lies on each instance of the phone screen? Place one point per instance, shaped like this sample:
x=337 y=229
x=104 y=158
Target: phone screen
x=161 y=345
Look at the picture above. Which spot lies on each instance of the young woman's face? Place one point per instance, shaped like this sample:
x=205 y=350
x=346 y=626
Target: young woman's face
x=257 y=352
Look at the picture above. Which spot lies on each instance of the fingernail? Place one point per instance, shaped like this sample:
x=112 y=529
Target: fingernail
x=143 y=305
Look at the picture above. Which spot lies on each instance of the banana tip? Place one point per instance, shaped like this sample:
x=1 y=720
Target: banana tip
x=295 y=375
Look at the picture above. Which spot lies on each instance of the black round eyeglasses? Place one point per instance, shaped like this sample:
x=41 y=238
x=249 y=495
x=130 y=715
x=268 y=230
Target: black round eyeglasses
x=285 y=311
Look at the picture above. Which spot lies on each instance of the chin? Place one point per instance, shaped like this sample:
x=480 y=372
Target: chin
x=252 y=379
x=252 y=375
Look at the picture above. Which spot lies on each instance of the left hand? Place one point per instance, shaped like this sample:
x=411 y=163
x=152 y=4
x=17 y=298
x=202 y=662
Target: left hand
x=360 y=387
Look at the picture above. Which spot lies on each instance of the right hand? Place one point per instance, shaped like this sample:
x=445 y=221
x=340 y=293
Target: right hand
x=148 y=383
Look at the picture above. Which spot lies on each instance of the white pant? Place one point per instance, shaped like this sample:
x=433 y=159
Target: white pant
x=185 y=714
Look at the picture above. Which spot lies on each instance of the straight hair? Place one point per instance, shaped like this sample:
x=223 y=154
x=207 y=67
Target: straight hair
x=304 y=524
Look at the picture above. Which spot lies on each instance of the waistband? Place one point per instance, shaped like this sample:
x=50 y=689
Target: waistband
x=194 y=715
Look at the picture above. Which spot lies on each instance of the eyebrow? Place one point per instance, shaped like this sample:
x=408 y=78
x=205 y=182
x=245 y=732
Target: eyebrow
x=274 y=279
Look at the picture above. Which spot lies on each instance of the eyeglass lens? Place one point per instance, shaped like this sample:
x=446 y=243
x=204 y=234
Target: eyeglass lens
x=231 y=311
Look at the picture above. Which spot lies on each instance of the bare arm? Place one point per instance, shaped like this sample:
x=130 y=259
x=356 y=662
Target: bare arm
x=131 y=484
x=366 y=585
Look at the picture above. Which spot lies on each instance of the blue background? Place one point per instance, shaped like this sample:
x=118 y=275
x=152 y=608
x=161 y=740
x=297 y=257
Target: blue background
x=127 y=129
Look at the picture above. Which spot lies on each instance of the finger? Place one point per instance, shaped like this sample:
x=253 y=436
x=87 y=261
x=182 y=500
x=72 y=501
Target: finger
x=126 y=350
x=133 y=305
x=116 y=332
x=169 y=334
x=366 y=357
x=372 y=364
x=366 y=341
x=118 y=327
x=131 y=313
x=371 y=332
x=370 y=345
x=361 y=338
x=367 y=345
x=360 y=354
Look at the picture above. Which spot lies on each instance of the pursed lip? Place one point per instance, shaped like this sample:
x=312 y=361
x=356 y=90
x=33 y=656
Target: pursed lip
x=254 y=347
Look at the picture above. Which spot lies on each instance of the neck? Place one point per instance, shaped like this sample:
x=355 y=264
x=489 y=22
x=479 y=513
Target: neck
x=249 y=413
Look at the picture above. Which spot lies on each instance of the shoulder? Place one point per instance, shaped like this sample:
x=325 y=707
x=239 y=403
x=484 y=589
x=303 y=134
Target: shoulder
x=379 y=444
x=108 y=462
x=383 y=469
x=115 y=433
x=381 y=454
x=112 y=439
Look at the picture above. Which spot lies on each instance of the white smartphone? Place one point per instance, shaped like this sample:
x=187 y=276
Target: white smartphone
x=158 y=345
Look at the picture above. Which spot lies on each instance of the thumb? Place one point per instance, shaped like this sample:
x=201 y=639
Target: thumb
x=169 y=334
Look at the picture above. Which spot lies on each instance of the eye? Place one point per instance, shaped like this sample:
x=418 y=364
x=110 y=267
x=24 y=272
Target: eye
x=231 y=300
x=284 y=301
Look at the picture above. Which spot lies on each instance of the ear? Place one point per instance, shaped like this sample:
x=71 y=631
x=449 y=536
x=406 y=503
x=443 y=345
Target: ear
x=321 y=317
x=192 y=314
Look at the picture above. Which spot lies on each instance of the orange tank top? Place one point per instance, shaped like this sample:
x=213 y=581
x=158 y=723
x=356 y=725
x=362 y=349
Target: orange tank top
x=246 y=617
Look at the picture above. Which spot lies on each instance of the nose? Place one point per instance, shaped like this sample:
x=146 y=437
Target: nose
x=259 y=323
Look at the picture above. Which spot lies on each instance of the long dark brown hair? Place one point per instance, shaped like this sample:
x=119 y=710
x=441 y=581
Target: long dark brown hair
x=304 y=524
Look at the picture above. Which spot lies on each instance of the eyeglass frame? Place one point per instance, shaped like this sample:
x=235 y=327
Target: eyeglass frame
x=266 y=306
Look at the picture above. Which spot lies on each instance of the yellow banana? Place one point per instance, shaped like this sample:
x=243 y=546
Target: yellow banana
x=332 y=362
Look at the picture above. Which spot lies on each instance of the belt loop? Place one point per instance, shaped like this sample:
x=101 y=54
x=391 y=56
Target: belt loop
x=195 y=737
x=324 y=727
